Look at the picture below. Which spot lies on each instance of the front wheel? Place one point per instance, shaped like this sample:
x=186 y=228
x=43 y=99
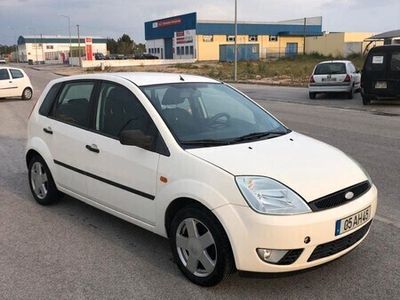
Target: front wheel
x=312 y=95
x=200 y=246
x=350 y=94
x=27 y=94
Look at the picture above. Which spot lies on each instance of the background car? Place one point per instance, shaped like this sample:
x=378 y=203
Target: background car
x=381 y=74
x=2 y=61
x=336 y=76
x=15 y=83
x=99 y=56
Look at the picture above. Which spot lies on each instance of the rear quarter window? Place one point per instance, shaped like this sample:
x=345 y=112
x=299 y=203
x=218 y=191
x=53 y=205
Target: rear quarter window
x=16 y=74
x=48 y=101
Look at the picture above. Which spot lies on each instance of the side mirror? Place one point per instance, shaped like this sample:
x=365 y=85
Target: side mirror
x=136 y=138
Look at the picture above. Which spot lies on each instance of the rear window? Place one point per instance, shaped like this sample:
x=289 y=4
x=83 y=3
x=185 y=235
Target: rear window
x=330 y=68
x=395 y=63
x=376 y=62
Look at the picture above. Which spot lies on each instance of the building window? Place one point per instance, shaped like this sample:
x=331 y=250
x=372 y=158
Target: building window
x=49 y=47
x=230 y=38
x=182 y=50
x=253 y=38
x=273 y=38
x=186 y=50
x=178 y=50
x=191 y=50
x=208 y=38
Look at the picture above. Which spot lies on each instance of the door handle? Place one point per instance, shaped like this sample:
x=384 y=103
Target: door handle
x=48 y=130
x=10 y=82
x=93 y=148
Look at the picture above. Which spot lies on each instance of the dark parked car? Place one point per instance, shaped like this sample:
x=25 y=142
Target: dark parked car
x=99 y=56
x=146 y=56
x=381 y=74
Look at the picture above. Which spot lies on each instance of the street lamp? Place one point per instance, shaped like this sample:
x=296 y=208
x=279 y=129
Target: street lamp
x=69 y=33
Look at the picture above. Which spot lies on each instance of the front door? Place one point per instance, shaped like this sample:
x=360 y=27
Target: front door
x=122 y=177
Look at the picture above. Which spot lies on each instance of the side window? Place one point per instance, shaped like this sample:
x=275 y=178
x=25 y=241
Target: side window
x=4 y=74
x=73 y=103
x=16 y=74
x=48 y=101
x=352 y=68
x=395 y=63
x=118 y=109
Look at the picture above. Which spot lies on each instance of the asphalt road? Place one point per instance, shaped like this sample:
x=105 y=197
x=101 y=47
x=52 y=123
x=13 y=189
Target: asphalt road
x=74 y=251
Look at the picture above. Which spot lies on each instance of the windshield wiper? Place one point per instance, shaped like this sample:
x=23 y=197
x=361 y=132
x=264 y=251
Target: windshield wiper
x=257 y=135
x=205 y=143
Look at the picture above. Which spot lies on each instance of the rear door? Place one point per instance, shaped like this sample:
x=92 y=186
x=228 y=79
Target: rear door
x=330 y=73
x=19 y=81
x=6 y=83
x=374 y=72
x=394 y=73
x=68 y=129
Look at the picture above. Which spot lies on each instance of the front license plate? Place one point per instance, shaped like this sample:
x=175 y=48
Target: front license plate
x=353 y=221
x=381 y=85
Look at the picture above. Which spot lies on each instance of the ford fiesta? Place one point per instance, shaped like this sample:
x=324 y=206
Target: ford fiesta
x=196 y=161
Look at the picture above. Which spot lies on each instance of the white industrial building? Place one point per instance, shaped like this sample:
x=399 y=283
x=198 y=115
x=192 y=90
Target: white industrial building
x=58 y=49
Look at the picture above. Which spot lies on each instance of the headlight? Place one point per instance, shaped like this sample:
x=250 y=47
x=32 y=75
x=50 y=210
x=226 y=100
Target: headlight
x=268 y=196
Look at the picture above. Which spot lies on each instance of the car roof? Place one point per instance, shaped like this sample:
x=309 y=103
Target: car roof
x=145 y=78
x=385 y=48
x=334 y=61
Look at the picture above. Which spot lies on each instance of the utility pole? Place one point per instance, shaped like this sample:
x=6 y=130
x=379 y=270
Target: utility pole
x=79 y=46
x=235 y=47
x=41 y=42
x=69 y=33
x=36 y=46
x=304 y=38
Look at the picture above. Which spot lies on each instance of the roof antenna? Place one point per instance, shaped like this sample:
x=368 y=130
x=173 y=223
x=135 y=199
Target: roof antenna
x=181 y=78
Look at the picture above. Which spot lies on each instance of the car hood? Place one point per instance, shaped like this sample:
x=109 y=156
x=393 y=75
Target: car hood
x=311 y=168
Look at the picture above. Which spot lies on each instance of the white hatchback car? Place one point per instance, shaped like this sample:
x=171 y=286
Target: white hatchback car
x=335 y=76
x=195 y=160
x=15 y=83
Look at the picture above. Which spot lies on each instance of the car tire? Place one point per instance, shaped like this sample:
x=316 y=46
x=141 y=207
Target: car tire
x=350 y=95
x=27 y=94
x=312 y=95
x=200 y=246
x=365 y=99
x=41 y=182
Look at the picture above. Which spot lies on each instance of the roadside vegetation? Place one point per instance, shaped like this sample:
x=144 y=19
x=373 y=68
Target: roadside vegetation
x=288 y=71
x=283 y=71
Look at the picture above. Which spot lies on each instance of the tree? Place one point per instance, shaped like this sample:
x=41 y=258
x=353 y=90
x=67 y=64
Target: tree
x=139 y=49
x=112 y=45
x=125 y=45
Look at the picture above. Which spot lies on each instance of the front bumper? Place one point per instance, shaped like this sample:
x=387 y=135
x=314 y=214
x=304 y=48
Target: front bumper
x=248 y=230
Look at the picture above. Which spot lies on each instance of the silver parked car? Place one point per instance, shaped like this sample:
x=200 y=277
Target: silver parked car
x=335 y=76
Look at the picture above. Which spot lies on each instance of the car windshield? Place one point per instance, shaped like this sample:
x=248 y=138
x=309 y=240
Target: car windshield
x=330 y=68
x=211 y=114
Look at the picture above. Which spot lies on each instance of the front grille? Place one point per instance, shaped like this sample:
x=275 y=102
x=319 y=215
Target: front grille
x=339 y=198
x=341 y=244
x=290 y=257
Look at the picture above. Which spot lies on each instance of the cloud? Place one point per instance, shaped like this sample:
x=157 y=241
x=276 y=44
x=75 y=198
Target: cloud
x=115 y=17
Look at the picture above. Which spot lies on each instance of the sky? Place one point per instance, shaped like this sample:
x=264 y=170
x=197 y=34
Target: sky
x=112 y=18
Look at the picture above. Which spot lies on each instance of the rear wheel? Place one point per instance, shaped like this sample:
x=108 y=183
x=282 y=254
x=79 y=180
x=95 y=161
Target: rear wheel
x=27 y=94
x=365 y=99
x=41 y=182
x=200 y=246
x=312 y=95
x=350 y=94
